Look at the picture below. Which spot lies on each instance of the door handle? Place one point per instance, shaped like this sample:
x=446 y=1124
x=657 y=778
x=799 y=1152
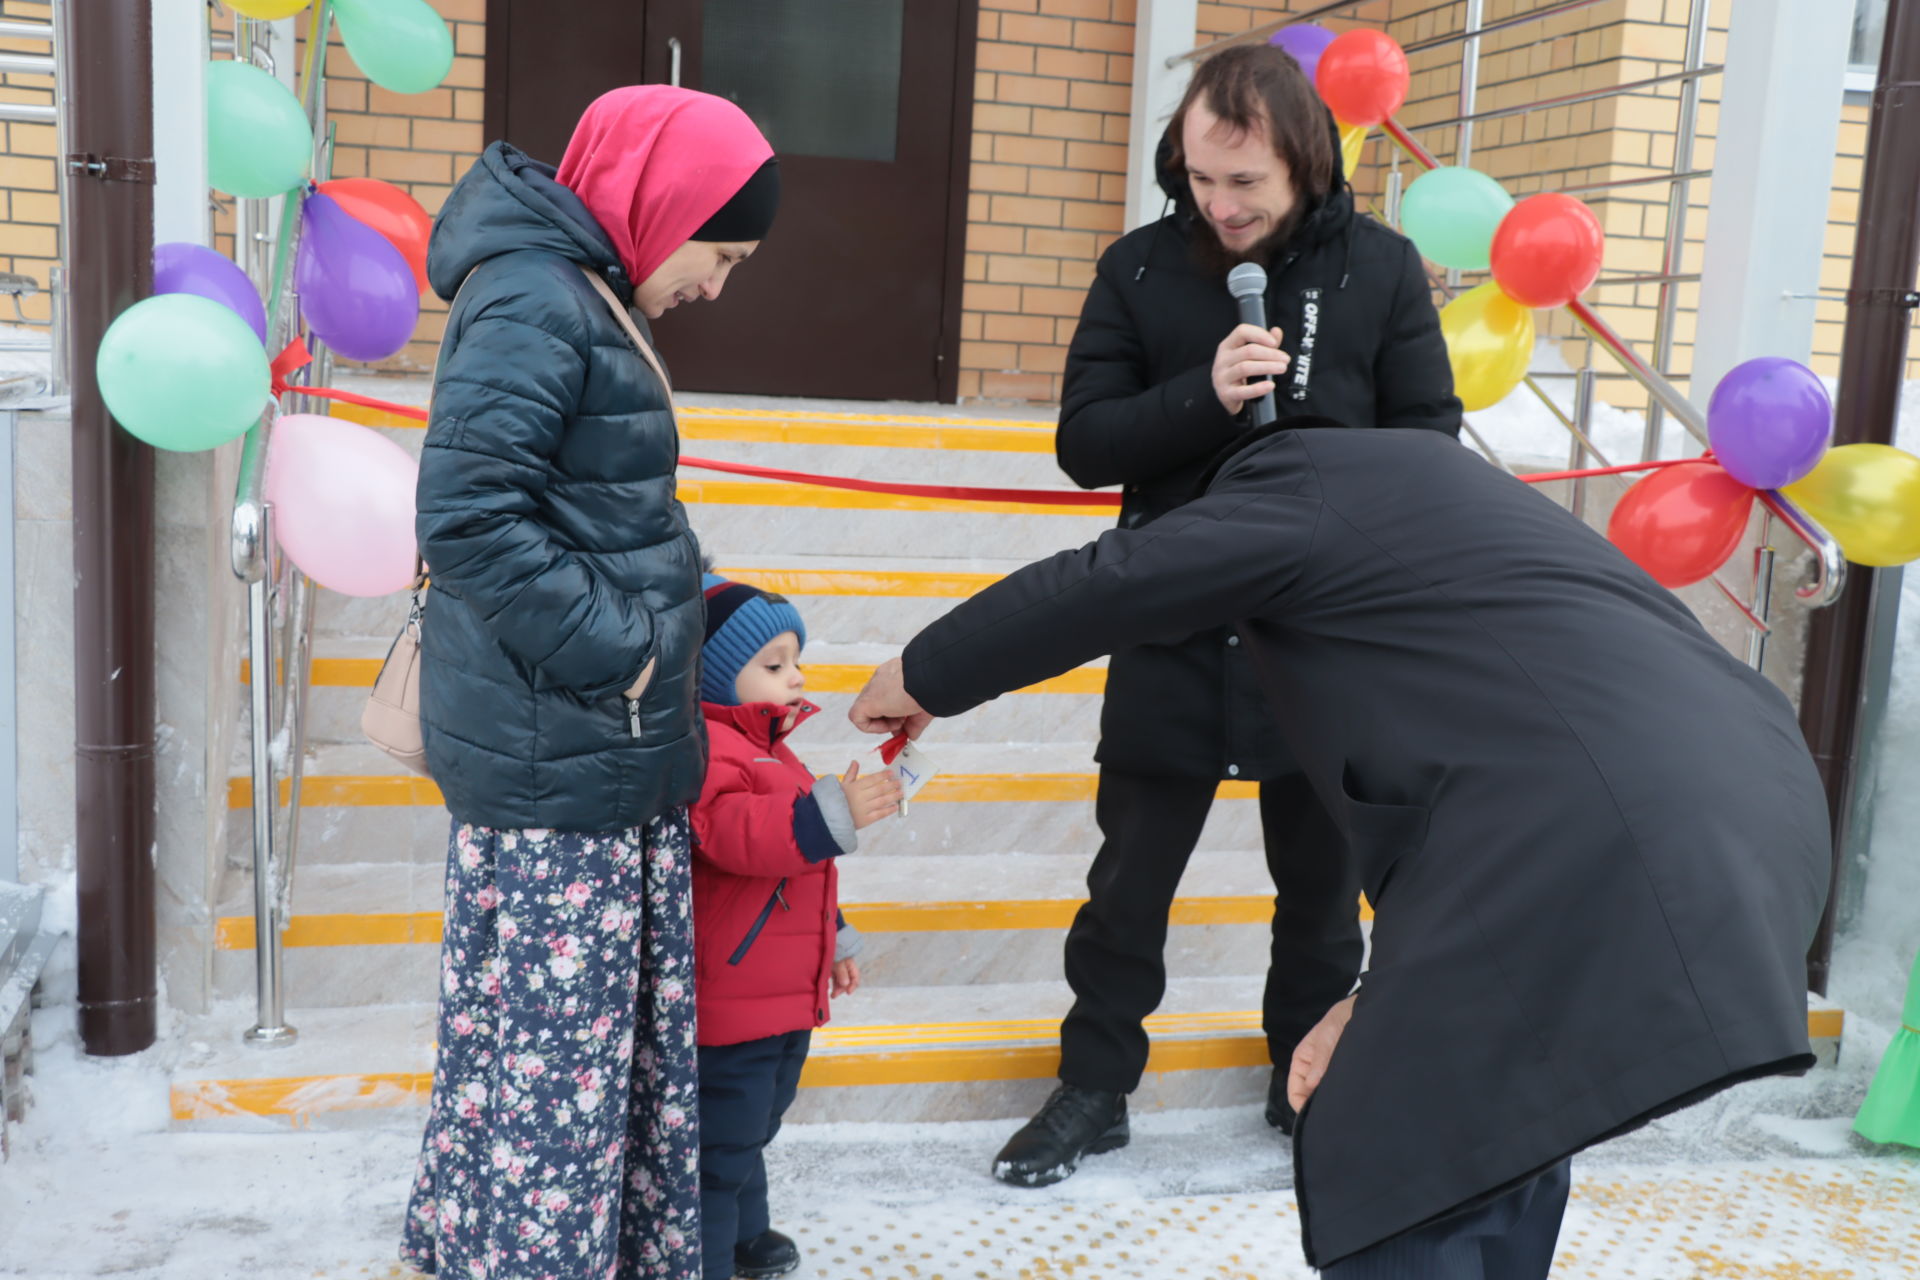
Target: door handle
x=673 y=61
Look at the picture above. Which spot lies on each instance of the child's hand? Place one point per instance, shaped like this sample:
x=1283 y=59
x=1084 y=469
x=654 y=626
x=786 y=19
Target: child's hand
x=871 y=798
x=846 y=977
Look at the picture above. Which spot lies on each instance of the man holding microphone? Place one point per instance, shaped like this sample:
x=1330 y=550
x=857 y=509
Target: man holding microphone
x=1153 y=390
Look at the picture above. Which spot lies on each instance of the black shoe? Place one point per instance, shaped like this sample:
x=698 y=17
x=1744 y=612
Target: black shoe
x=767 y=1254
x=1074 y=1122
x=1279 y=1111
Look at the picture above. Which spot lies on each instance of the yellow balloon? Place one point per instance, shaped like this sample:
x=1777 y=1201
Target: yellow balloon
x=268 y=10
x=1868 y=497
x=1489 y=344
x=1352 y=138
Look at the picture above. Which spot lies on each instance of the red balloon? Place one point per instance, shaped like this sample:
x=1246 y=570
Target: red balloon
x=1547 y=250
x=1682 y=522
x=390 y=211
x=1363 y=76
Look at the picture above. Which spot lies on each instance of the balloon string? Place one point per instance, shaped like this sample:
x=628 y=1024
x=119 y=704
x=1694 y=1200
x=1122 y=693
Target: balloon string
x=296 y=357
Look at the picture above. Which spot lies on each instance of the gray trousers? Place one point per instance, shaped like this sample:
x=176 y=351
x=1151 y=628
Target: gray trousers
x=1511 y=1238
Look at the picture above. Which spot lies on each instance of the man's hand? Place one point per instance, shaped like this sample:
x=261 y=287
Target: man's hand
x=846 y=977
x=641 y=681
x=1246 y=353
x=871 y=798
x=885 y=706
x=1310 y=1059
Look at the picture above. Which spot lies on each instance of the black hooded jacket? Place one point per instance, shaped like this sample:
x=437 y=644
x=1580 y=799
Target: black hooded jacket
x=1138 y=409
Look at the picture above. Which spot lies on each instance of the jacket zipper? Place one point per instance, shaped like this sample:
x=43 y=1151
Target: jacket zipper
x=633 y=716
x=759 y=923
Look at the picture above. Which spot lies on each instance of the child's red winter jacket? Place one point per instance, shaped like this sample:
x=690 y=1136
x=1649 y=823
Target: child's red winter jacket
x=765 y=887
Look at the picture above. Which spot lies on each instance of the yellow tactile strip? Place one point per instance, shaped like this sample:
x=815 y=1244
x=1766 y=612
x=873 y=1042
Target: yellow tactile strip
x=1853 y=1219
x=359 y=673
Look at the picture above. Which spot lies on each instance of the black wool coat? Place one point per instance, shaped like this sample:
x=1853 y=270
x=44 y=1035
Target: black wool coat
x=561 y=559
x=1137 y=409
x=1596 y=844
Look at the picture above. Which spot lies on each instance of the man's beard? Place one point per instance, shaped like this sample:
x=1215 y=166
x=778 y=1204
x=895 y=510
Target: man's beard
x=1215 y=258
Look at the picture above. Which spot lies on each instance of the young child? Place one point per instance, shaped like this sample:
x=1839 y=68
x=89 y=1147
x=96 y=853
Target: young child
x=769 y=941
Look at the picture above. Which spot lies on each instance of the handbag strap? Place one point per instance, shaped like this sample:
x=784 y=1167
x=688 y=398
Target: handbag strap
x=625 y=318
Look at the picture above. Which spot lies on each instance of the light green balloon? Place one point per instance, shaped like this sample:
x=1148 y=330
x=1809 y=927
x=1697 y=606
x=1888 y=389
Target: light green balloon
x=182 y=372
x=258 y=140
x=402 y=45
x=1451 y=214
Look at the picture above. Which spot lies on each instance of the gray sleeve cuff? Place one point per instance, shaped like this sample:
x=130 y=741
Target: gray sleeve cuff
x=847 y=943
x=834 y=811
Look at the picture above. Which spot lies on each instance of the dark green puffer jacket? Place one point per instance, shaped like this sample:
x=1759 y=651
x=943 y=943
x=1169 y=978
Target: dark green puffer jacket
x=561 y=560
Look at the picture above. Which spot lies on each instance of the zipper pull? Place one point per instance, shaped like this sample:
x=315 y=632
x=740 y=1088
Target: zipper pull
x=779 y=896
x=633 y=716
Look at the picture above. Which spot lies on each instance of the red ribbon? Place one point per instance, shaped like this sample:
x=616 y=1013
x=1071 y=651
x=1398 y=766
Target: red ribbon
x=296 y=357
x=890 y=749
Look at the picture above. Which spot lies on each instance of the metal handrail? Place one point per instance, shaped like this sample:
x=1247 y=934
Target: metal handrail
x=12 y=30
x=1571 y=99
x=250 y=549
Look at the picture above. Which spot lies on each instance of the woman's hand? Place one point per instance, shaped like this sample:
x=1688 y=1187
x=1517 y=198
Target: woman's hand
x=846 y=977
x=885 y=706
x=1248 y=352
x=640 y=682
x=1310 y=1059
x=871 y=798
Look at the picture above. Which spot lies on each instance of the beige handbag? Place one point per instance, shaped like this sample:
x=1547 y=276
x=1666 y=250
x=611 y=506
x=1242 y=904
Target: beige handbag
x=391 y=720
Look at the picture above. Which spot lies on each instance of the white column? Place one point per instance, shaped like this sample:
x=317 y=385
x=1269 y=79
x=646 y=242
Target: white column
x=1162 y=29
x=180 y=122
x=1772 y=171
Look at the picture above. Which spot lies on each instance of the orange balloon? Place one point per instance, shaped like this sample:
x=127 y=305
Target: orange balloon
x=1682 y=522
x=1363 y=76
x=390 y=211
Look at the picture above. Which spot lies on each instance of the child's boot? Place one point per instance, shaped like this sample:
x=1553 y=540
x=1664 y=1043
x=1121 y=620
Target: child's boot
x=767 y=1254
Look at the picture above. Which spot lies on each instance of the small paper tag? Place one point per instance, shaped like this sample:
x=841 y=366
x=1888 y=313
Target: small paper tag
x=913 y=768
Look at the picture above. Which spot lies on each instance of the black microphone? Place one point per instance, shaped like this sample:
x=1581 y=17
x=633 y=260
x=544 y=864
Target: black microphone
x=1248 y=284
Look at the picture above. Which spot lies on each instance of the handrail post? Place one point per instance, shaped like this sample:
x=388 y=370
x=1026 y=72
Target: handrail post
x=1762 y=605
x=1675 y=245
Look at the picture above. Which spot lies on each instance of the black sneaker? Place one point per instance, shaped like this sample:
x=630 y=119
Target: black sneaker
x=1279 y=1111
x=767 y=1254
x=1074 y=1122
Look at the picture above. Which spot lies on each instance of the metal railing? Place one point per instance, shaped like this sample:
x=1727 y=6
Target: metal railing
x=280 y=599
x=1664 y=400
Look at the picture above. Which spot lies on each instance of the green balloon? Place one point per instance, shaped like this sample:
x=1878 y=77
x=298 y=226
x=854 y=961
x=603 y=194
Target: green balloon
x=1451 y=214
x=259 y=142
x=182 y=372
x=402 y=45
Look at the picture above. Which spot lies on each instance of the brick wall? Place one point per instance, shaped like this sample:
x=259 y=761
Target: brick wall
x=29 y=203
x=1050 y=120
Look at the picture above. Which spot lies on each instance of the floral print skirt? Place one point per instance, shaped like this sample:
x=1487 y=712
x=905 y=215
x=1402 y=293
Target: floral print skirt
x=562 y=1138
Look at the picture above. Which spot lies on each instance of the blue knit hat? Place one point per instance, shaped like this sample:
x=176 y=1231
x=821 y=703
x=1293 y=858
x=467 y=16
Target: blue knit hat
x=740 y=621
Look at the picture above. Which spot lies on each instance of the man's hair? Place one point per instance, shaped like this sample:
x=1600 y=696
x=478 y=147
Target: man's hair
x=1254 y=87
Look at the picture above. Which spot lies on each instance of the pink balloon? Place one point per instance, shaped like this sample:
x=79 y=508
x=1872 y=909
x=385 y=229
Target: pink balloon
x=342 y=498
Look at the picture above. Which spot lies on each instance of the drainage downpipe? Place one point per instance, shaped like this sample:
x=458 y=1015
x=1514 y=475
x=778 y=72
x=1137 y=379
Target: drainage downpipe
x=1872 y=368
x=107 y=84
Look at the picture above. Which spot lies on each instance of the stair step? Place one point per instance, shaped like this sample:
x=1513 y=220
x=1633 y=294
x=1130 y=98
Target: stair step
x=874 y=1062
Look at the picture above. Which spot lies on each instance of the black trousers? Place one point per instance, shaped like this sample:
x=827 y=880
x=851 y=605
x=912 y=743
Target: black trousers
x=744 y=1090
x=1511 y=1238
x=1116 y=960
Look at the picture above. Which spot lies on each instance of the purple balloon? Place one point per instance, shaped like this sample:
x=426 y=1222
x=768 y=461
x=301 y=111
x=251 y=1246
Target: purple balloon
x=356 y=290
x=1306 y=41
x=1769 y=422
x=183 y=267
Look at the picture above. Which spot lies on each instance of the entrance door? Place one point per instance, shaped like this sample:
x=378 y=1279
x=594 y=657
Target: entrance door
x=856 y=292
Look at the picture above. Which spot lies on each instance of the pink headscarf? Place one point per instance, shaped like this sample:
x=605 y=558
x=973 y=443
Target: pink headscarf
x=653 y=163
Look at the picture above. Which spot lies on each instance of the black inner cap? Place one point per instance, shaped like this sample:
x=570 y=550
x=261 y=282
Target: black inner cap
x=749 y=214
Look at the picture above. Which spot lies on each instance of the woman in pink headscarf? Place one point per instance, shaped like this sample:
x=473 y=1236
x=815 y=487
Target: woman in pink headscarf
x=558 y=693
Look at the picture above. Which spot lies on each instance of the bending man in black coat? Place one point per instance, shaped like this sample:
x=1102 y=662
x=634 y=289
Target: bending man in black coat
x=1157 y=381
x=1596 y=844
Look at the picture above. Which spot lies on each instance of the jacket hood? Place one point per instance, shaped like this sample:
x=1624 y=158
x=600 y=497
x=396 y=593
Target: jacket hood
x=761 y=723
x=509 y=201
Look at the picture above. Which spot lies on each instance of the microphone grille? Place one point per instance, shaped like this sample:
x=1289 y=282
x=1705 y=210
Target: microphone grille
x=1247 y=280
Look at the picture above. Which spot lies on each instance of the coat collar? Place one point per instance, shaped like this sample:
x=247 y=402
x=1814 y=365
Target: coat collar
x=761 y=723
